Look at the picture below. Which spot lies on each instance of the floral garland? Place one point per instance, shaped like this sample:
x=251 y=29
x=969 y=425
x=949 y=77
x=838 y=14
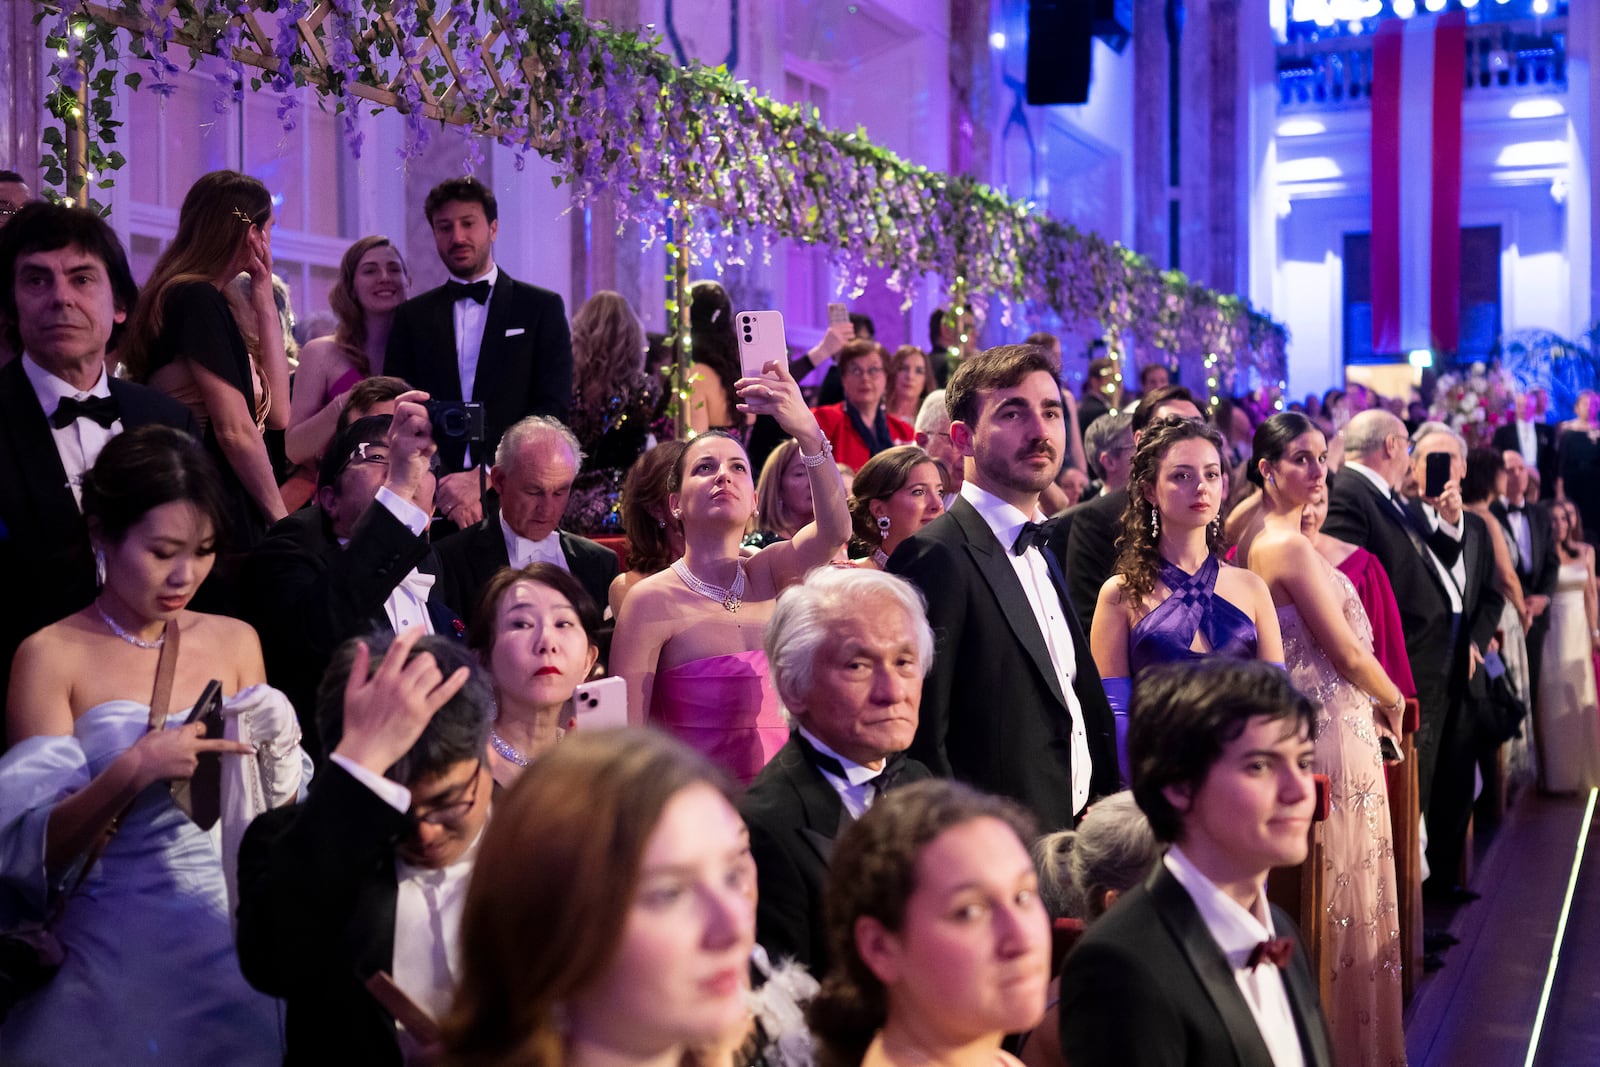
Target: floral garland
x=1474 y=403
x=621 y=118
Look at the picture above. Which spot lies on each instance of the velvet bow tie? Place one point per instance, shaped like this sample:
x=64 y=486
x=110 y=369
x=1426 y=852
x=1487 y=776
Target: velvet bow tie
x=1277 y=952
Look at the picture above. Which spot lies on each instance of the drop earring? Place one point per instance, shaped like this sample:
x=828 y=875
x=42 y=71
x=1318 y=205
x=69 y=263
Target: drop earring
x=883 y=525
x=100 y=567
x=1216 y=528
x=1155 y=522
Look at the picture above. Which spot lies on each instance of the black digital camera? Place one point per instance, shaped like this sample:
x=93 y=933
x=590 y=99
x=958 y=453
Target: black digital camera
x=456 y=420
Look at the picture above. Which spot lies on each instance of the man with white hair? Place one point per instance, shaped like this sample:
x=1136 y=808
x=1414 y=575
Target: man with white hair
x=933 y=435
x=848 y=650
x=535 y=465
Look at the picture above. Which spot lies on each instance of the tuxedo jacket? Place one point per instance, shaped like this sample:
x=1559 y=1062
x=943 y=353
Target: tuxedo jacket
x=45 y=557
x=470 y=557
x=1147 y=984
x=794 y=815
x=1539 y=578
x=524 y=364
x=1089 y=554
x=1505 y=439
x=306 y=595
x=1360 y=514
x=317 y=893
x=993 y=713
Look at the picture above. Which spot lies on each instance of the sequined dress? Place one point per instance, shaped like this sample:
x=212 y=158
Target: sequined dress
x=613 y=436
x=1361 y=916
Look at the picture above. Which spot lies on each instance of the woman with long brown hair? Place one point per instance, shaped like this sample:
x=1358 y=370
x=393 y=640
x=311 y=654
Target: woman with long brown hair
x=894 y=494
x=185 y=341
x=613 y=399
x=372 y=282
x=1171 y=597
x=611 y=915
x=652 y=535
x=910 y=380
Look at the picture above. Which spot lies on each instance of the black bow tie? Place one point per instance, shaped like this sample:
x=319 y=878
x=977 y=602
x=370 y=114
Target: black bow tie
x=1032 y=535
x=478 y=291
x=1515 y=509
x=893 y=764
x=101 y=409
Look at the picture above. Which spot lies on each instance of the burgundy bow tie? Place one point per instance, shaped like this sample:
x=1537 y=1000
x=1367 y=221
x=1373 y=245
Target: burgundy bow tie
x=1276 y=952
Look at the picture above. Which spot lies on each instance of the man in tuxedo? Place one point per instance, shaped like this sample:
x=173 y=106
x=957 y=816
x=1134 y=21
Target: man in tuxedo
x=848 y=650
x=65 y=291
x=1013 y=703
x=933 y=437
x=1194 y=968
x=356 y=562
x=1530 y=436
x=1533 y=547
x=1088 y=553
x=482 y=337
x=1108 y=444
x=1365 y=508
x=533 y=471
x=370 y=872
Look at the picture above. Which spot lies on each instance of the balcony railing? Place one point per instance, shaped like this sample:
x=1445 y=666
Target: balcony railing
x=1504 y=57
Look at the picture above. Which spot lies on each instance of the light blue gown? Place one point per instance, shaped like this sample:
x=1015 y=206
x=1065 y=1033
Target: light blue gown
x=151 y=976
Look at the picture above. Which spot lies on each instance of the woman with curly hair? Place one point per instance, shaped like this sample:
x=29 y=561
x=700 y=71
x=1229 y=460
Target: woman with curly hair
x=940 y=943
x=894 y=494
x=1171 y=597
x=612 y=402
x=715 y=349
x=372 y=283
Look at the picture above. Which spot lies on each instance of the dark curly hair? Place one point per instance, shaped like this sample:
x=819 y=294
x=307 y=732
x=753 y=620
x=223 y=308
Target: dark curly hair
x=879 y=478
x=712 y=340
x=873 y=874
x=1138 y=555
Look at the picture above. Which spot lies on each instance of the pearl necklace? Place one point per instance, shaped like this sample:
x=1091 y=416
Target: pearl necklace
x=731 y=598
x=505 y=749
x=132 y=639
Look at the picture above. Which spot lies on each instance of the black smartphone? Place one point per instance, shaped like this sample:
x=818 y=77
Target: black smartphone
x=208 y=709
x=1435 y=474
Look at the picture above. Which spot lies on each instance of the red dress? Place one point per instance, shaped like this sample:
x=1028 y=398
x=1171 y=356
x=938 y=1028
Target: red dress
x=848 y=447
x=1377 y=597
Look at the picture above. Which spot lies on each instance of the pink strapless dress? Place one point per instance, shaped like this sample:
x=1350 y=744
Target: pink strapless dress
x=725 y=707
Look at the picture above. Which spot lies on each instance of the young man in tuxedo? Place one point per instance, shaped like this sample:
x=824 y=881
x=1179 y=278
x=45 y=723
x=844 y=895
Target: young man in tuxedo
x=356 y=562
x=849 y=648
x=1013 y=704
x=1194 y=968
x=65 y=292
x=370 y=872
x=1533 y=548
x=482 y=336
x=534 y=468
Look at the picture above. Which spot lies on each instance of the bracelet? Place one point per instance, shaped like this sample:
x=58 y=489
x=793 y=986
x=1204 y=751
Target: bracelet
x=823 y=456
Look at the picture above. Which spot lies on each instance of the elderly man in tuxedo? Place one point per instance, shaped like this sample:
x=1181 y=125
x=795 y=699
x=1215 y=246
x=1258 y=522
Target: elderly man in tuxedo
x=533 y=471
x=482 y=336
x=848 y=649
x=357 y=562
x=369 y=874
x=1013 y=704
x=1530 y=436
x=65 y=292
x=1194 y=967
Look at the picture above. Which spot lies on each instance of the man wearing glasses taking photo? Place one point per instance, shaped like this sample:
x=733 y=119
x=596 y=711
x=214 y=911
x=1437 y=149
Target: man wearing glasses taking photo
x=369 y=875
x=356 y=562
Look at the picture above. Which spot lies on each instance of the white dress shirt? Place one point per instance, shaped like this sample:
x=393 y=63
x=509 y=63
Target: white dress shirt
x=427 y=909
x=1528 y=441
x=1237 y=932
x=79 y=444
x=407 y=605
x=1453 y=578
x=856 y=789
x=1518 y=521
x=521 y=552
x=470 y=317
x=1005 y=520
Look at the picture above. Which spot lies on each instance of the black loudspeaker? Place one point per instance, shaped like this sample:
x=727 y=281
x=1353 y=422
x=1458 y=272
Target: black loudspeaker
x=1059 y=36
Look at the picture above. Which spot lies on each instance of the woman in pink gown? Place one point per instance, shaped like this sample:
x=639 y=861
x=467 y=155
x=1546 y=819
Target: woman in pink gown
x=1328 y=649
x=688 y=640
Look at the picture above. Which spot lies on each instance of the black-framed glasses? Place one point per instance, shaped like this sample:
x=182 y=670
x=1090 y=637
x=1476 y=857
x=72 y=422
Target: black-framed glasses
x=456 y=810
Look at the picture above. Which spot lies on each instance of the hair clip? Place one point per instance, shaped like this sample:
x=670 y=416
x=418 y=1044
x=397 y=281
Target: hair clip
x=239 y=214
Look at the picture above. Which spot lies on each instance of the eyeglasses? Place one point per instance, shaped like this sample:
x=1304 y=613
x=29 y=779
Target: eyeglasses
x=376 y=454
x=1410 y=447
x=856 y=370
x=455 y=811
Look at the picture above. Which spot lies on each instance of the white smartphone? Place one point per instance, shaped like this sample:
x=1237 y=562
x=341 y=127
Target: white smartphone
x=600 y=705
x=760 y=340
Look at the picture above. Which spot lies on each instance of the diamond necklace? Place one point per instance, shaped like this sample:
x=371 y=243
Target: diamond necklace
x=506 y=750
x=132 y=639
x=730 y=598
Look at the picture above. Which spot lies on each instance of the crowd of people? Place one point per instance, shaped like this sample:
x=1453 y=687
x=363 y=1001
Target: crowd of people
x=948 y=716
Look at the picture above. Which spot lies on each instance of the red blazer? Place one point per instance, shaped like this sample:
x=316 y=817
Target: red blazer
x=848 y=447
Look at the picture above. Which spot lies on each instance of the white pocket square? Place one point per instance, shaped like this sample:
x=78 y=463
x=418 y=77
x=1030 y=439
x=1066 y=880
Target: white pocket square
x=514 y=331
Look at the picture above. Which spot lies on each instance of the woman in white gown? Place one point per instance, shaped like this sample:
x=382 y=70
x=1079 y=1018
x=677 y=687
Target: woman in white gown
x=1569 y=721
x=150 y=974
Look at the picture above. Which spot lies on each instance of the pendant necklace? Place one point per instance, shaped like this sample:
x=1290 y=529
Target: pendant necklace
x=731 y=598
